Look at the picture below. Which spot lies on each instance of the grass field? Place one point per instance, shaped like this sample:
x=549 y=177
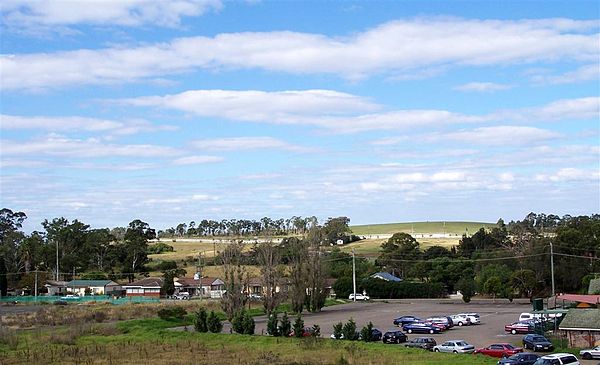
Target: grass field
x=455 y=228
x=149 y=341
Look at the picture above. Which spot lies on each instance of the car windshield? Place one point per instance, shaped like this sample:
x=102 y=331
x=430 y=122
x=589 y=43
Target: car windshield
x=508 y=346
x=515 y=357
x=461 y=343
x=539 y=338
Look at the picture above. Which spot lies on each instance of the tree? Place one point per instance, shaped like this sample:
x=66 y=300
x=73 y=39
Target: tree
x=336 y=228
x=3 y=277
x=349 y=330
x=272 y=328
x=286 y=325
x=268 y=260
x=297 y=260
x=343 y=287
x=398 y=253
x=524 y=282
x=201 y=320
x=315 y=283
x=366 y=333
x=235 y=277
x=214 y=324
x=299 y=326
x=466 y=286
x=338 y=330
x=135 y=247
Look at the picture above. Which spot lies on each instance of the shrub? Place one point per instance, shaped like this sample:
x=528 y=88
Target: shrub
x=337 y=330
x=349 y=330
x=367 y=332
x=200 y=322
x=214 y=323
x=249 y=324
x=316 y=331
x=286 y=325
x=299 y=326
x=272 y=325
x=174 y=312
x=243 y=323
x=159 y=248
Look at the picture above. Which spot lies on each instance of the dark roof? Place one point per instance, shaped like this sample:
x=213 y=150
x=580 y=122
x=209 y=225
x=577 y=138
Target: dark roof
x=147 y=282
x=87 y=283
x=581 y=319
x=385 y=276
x=193 y=282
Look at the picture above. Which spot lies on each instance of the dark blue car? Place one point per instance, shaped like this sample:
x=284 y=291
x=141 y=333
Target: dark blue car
x=401 y=321
x=417 y=327
x=522 y=358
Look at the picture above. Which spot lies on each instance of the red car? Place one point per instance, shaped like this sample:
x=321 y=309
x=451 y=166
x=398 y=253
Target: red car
x=499 y=350
x=306 y=332
x=519 y=327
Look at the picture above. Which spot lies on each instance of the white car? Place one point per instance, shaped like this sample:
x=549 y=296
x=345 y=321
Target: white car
x=455 y=346
x=589 y=354
x=461 y=320
x=474 y=317
x=359 y=297
x=557 y=359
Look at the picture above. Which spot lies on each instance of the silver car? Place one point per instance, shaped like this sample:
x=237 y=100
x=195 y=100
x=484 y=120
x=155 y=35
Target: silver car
x=589 y=354
x=455 y=346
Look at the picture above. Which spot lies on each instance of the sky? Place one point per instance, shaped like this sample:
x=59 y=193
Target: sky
x=381 y=111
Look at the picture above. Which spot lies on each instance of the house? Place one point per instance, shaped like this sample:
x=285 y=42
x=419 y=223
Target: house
x=328 y=286
x=55 y=287
x=582 y=300
x=385 y=276
x=206 y=287
x=146 y=287
x=582 y=327
x=92 y=287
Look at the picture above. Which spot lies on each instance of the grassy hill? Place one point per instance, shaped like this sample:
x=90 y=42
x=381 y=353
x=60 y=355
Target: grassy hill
x=454 y=228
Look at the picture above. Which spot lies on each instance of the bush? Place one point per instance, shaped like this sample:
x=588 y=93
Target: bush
x=166 y=265
x=366 y=333
x=337 y=330
x=214 y=323
x=159 y=248
x=174 y=312
x=243 y=323
x=272 y=325
x=316 y=331
x=201 y=321
x=299 y=326
x=397 y=290
x=349 y=330
x=286 y=326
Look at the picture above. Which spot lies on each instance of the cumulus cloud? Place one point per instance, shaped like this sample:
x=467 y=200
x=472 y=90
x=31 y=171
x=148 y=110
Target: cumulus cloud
x=393 y=48
x=570 y=174
x=501 y=135
x=584 y=73
x=483 y=87
x=196 y=160
x=46 y=14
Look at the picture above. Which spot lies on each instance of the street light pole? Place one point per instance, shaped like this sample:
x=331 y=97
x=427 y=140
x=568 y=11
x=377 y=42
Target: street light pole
x=552 y=267
x=354 y=275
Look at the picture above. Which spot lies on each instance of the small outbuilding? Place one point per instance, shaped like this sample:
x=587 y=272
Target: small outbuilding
x=146 y=287
x=582 y=327
x=92 y=287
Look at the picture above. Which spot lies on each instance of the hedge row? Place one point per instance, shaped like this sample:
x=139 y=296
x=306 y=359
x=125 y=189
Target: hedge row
x=377 y=288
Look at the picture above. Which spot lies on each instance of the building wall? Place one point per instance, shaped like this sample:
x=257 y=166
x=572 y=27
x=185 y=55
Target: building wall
x=583 y=339
x=143 y=292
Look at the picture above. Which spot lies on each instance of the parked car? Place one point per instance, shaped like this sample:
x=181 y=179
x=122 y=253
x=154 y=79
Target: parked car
x=590 y=353
x=557 y=359
x=375 y=335
x=401 y=321
x=306 y=332
x=499 y=350
x=70 y=297
x=461 y=320
x=537 y=343
x=182 y=296
x=474 y=317
x=519 y=327
x=394 y=336
x=418 y=327
x=359 y=296
x=441 y=321
x=426 y=343
x=455 y=346
x=522 y=358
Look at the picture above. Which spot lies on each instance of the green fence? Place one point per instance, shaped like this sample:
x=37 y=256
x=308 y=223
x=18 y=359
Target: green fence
x=28 y=299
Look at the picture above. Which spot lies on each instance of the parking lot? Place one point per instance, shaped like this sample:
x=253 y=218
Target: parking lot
x=494 y=315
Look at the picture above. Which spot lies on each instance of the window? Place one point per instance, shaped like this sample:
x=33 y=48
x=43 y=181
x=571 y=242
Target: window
x=569 y=359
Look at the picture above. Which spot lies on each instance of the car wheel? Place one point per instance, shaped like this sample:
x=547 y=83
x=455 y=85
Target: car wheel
x=460 y=324
x=587 y=356
x=504 y=356
x=436 y=350
x=456 y=352
x=514 y=332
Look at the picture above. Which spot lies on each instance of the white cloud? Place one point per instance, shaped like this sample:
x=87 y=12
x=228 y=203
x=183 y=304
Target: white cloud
x=204 y=197
x=500 y=136
x=68 y=124
x=197 y=160
x=395 y=48
x=45 y=14
x=483 y=87
x=564 y=109
x=55 y=145
x=570 y=174
x=246 y=143
x=584 y=73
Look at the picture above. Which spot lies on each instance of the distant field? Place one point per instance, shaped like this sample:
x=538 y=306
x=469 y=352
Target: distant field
x=372 y=247
x=455 y=228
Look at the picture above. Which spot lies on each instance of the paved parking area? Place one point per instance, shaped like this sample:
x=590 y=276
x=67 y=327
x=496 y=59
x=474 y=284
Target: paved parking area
x=494 y=315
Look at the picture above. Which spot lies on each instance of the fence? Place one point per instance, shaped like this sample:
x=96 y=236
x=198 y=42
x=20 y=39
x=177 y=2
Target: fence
x=28 y=299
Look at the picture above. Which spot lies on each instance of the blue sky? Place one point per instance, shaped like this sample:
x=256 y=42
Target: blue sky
x=380 y=111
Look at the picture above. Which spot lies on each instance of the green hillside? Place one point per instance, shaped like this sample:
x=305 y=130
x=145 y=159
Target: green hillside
x=456 y=228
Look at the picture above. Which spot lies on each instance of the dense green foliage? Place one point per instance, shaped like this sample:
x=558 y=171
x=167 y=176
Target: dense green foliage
x=172 y=312
x=201 y=320
x=395 y=290
x=213 y=323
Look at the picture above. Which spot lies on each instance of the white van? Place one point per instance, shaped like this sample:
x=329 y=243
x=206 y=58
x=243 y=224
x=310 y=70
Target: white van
x=529 y=316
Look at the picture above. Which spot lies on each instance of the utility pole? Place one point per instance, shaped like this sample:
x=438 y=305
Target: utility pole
x=552 y=266
x=36 y=283
x=56 y=260
x=199 y=270
x=354 y=274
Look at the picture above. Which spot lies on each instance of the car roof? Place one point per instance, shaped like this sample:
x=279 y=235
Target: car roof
x=556 y=356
